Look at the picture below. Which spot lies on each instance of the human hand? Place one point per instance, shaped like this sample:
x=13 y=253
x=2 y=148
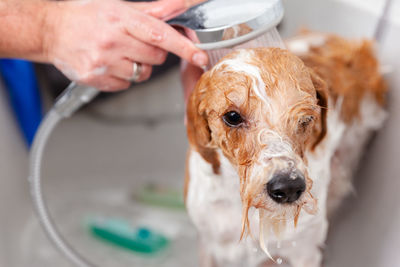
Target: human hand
x=95 y=42
x=190 y=74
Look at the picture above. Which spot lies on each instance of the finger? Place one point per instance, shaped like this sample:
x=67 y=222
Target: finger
x=162 y=9
x=160 y=34
x=145 y=73
x=125 y=70
x=112 y=84
x=137 y=51
x=107 y=83
x=190 y=3
x=190 y=74
x=166 y=9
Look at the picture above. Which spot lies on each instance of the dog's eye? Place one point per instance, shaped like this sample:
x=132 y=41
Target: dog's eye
x=305 y=121
x=232 y=119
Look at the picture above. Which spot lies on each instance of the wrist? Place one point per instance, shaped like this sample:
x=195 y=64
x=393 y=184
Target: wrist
x=26 y=29
x=51 y=16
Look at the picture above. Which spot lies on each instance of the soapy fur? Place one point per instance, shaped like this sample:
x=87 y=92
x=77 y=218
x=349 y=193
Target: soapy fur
x=296 y=116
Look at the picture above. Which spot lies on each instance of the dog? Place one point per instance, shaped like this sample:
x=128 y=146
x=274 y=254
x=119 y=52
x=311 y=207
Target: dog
x=274 y=138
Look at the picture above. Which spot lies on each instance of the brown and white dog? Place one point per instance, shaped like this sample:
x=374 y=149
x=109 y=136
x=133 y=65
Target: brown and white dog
x=274 y=139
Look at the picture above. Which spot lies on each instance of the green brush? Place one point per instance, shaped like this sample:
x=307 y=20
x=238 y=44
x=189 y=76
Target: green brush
x=120 y=233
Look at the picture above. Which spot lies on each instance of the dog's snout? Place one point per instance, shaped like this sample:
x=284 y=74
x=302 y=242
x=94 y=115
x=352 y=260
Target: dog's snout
x=286 y=187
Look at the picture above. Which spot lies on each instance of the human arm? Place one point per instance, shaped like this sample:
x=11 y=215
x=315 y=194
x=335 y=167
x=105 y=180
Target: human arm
x=94 y=42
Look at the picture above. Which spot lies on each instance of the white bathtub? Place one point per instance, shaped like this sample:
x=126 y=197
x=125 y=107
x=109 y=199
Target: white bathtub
x=95 y=159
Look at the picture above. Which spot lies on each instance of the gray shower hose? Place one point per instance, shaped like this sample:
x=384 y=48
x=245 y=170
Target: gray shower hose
x=71 y=100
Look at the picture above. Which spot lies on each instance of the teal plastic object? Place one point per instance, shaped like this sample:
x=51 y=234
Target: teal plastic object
x=120 y=233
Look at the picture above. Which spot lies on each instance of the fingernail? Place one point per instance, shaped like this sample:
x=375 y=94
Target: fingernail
x=200 y=59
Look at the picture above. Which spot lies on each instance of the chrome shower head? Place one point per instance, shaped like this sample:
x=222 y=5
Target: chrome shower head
x=227 y=24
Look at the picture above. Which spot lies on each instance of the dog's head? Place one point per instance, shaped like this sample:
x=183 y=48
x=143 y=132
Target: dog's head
x=263 y=109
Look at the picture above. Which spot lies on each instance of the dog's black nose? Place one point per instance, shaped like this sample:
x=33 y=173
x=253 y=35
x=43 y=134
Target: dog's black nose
x=286 y=187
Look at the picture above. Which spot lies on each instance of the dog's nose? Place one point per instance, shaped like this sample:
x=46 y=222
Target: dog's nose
x=286 y=187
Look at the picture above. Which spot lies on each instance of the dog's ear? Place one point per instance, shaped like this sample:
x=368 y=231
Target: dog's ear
x=199 y=133
x=321 y=89
x=198 y=130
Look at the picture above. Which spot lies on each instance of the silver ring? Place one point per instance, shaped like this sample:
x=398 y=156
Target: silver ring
x=137 y=70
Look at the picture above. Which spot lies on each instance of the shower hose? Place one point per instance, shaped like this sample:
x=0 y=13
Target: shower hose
x=70 y=101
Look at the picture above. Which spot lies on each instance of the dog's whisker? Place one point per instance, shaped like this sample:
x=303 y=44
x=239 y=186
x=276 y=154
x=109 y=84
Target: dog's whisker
x=264 y=233
x=296 y=216
x=310 y=204
x=279 y=226
x=245 y=221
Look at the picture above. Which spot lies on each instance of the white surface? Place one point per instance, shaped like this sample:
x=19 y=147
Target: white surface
x=375 y=7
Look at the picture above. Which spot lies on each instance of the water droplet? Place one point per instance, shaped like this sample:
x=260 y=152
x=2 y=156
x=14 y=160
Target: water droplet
x=278 y=244
x=294 y=243
x=279 y=260
x=255 y=250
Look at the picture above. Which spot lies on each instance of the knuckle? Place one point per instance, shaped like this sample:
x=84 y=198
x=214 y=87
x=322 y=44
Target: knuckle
x=156 y=36
x=127 y=72
x=124 y=70
x=106 y=42
x=96 y=61
x=155 y=33
x=112 y=17
x=150 y=29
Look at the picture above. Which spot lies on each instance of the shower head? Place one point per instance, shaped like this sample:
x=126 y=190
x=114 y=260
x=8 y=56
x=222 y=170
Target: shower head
x=219 y=24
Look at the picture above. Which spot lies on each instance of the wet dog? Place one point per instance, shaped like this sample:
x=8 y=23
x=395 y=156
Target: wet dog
x=275 y=136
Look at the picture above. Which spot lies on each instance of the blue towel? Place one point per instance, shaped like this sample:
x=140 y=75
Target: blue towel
x=22 y=86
